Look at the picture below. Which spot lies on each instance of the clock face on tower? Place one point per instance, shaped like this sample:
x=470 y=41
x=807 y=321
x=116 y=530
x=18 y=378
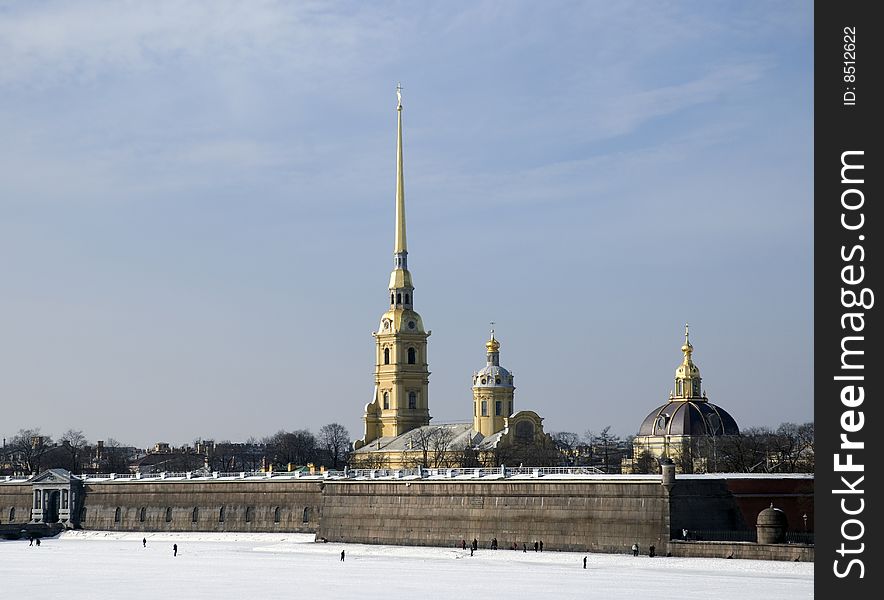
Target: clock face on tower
x=411 y=325
x=386 y=324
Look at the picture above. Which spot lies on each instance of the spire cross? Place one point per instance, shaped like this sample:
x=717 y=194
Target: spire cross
x=686 y=332
x=492 y=329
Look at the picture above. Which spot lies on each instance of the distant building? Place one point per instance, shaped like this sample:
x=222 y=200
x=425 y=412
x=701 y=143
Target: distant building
x=687 y=428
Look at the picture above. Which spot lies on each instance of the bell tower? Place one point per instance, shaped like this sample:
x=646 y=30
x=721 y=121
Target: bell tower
x=492 y=392
x=400 y=400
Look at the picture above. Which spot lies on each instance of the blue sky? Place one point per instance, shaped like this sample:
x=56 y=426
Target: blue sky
x=197 y=208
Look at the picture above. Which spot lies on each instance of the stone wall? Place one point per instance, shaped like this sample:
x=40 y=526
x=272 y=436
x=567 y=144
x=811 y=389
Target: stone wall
x=597 y=516
x=256 y=506
x=18 y=496
x=750 y=550
x=705 y=504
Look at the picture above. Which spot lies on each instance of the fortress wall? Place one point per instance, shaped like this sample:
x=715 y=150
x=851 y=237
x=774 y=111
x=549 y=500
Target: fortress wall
x=237 y=497
x=750 y=550
x=705 y=505
x=793 y=496
x=599 y=516
x=18 y=496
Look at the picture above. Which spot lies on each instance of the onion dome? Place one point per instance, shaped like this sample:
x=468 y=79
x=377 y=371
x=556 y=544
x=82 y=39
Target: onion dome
x=492 y=375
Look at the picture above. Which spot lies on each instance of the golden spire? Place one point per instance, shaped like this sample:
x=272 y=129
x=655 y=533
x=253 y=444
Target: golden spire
x=687 y=348
x=400 y=245
x=492 y=345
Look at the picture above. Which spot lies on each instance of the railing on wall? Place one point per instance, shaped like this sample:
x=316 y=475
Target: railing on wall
x=743 y=535
x=501 y=472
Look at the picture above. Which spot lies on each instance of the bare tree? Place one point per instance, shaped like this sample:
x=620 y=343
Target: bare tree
x=74 y=443
x=28 y=448
x=291 y=448
x=116 y=460
x=567 y=444
x=609 y=447
x=335 y=441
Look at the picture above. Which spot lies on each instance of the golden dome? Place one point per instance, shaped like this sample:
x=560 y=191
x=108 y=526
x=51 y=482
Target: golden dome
x=492 y=345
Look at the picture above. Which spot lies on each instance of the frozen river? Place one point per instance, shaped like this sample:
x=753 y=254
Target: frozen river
x=90 y=565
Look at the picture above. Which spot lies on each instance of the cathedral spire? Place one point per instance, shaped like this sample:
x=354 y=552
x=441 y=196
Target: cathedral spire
x=400 y=246
x=401 y=287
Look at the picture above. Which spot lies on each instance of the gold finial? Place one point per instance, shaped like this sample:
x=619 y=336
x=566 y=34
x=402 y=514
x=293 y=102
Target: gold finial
x=492 y=345
x=687 y=348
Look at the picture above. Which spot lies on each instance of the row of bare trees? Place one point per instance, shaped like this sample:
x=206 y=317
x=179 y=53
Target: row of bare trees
x=787 y=449
x=31 y=451
x=603 y=450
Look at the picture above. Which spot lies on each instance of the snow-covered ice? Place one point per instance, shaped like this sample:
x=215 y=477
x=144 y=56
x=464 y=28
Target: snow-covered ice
x=89 y=565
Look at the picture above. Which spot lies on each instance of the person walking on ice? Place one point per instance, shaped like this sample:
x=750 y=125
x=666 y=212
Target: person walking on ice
x=635 y=549
x=174 y=549
x=342 y=556
x=584 y=562
x=144 y=542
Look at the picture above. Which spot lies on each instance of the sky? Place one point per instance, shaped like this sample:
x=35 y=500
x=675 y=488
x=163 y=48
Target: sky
x=197 y=209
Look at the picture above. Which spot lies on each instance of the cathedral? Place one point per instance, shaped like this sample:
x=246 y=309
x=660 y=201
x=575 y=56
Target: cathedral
x=687 y=428
x=398 y=433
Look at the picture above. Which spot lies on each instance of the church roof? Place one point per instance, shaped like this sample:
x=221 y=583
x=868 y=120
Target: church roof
x=461 y=435
x=687 y=417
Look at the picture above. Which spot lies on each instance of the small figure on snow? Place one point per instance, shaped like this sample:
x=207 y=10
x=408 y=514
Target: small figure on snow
x=144 y=542
x=584 y=562
x=174 y=549
x=342 y=556
x=541 y=545
x=535 y=545
x=635 y=549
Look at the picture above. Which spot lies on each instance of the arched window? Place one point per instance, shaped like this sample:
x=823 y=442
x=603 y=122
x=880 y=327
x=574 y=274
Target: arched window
x=386 y=356
x=168 y=514
x=412 y=400
x=221 y=515
x=12 y=515
x=195 y=516
x=498 y=406
x=392 y=299
x=386 y=400
x=484 y=408
x=525 y=431
x=510 y=409
x=306 y=517
x=398 y=298
x=276 y=515
x=117 y=515
x=142 y=514
x=678 y=388
x=412 y=356
x=407 y=299
x=250 y=514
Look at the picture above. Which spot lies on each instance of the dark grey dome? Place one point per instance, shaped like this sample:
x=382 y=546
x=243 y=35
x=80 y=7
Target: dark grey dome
x=689 y=417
